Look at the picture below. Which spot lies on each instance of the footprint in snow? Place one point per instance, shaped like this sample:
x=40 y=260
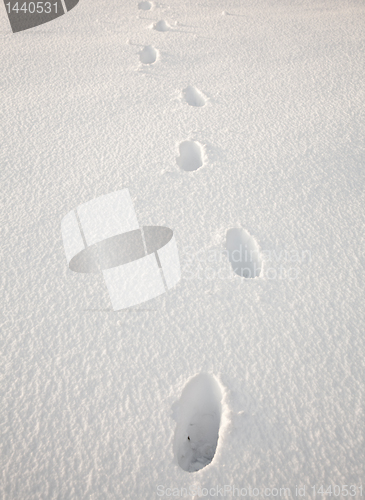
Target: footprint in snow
x=145 y=5
x=243 y=253
x=191 y=156
x=193 y=96
x=198 y=420
x=161 y=26
x=148 y=55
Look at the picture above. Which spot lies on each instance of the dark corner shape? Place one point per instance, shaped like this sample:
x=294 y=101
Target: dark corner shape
x=34 y=13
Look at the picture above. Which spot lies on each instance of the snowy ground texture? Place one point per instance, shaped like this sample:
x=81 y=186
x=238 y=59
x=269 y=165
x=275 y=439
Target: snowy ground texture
x=216 y=115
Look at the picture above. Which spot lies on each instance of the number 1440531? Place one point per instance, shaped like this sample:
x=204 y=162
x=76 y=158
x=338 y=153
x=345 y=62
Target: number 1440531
x=337 y=490
x=32 y=7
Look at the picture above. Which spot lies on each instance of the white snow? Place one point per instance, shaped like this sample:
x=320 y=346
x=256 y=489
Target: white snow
x=90 y=397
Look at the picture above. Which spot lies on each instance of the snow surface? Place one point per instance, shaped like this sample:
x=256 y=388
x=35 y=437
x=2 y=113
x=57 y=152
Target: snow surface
x=269 y=98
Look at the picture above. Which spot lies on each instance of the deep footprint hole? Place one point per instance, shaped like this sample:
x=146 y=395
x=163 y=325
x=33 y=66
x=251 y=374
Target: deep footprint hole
x=148 y=55
x=193 y=96
x=198 y=422
x=191 y=156
x=243 y=253
x=161 y=26
x=145 y=5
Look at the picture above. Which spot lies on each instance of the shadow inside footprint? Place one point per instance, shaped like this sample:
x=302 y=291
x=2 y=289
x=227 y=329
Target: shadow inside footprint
x=198 y=420
x=148 y=55
x=145 y=5
x=191 y=157
x=243 y=253
x=161 y=26
x=193 y=96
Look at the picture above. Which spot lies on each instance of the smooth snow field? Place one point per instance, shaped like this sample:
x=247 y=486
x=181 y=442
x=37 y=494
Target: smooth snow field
x=239 y=125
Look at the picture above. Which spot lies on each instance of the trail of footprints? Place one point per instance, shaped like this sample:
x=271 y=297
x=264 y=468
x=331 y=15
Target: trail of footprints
x=200 y=406
x=191 y=152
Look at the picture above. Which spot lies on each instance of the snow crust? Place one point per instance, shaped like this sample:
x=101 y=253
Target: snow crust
x=89 y=396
